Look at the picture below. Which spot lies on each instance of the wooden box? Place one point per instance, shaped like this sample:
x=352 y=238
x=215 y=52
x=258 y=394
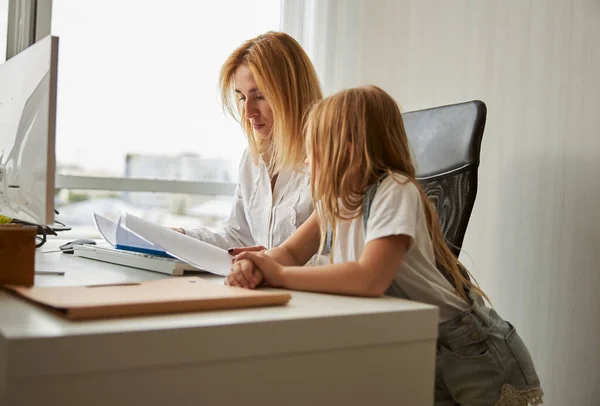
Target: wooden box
x=17 y=255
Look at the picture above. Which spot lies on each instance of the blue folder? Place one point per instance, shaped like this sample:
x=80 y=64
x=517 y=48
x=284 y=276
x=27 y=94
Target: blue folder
x=149 y=251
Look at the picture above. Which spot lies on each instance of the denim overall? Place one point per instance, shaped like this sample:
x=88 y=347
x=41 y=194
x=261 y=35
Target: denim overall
x=481 y=360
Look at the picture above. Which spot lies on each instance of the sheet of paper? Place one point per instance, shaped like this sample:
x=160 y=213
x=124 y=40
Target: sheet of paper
x=126 y=237
x=195 y=252
x=107 y=228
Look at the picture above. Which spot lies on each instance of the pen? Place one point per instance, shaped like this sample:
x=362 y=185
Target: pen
x=49 y=272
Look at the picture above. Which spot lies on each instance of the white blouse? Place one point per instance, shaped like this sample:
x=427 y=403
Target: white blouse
x=260 y=216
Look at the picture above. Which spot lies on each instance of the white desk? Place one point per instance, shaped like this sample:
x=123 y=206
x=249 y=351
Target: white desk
x=317 y=350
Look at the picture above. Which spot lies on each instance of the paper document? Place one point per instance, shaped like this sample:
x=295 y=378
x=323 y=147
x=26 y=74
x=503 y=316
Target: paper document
x=106 y=228
x=183 y=247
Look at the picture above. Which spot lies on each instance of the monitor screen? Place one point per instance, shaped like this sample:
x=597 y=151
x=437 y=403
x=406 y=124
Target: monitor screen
x=27 y=133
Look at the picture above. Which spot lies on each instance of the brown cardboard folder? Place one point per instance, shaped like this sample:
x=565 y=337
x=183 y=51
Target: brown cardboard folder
x=170 y=295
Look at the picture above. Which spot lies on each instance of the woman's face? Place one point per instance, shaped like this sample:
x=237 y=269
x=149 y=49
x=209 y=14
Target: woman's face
x=256 y=108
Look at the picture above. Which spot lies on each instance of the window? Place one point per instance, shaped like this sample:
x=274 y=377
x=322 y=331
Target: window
x=3 y=28
x=138 y=97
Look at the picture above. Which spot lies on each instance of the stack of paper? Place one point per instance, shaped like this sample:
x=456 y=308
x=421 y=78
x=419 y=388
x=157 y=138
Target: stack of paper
x=121 y=238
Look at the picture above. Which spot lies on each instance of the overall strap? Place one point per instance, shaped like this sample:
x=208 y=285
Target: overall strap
x=328 y=236
x=368 y=199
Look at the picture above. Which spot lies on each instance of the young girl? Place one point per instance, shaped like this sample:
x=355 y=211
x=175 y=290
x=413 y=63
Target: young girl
x=361 y=168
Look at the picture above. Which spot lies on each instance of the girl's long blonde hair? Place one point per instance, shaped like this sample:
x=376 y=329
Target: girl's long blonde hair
x=353 y=138
x=288 y=80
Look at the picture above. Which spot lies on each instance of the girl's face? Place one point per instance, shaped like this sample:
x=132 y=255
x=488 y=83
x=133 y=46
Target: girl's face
x=256 y=108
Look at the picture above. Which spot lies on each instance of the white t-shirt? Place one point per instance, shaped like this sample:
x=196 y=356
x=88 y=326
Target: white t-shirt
x=260 y=216
x=397 y=210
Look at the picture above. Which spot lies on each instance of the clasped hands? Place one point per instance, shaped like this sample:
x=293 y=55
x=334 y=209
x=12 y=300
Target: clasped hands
x=251 y=267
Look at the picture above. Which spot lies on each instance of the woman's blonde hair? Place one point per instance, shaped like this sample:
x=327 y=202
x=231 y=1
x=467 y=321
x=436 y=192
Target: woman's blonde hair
x=288 y=80
x=353 y=138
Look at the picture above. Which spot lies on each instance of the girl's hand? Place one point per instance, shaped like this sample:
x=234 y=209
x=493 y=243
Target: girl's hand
x=244 y=275
x=271 y=270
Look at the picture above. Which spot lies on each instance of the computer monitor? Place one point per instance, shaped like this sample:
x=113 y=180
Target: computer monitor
x=27 y=133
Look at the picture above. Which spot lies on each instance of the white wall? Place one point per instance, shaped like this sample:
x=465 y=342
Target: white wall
x=534 y=237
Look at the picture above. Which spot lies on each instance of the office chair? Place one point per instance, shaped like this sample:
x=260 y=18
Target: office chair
x=446 y=142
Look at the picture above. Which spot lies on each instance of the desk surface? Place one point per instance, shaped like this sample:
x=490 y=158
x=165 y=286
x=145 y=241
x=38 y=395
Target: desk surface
x=20 y=319
x=310 y=321
x=332 y=332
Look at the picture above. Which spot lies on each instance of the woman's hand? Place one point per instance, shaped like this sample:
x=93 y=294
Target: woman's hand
x=239 y=250
x=243 y=274
x=270 y=270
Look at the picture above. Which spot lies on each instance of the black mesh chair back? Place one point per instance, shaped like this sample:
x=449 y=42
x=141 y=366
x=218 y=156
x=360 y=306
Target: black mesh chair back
x=446 y=142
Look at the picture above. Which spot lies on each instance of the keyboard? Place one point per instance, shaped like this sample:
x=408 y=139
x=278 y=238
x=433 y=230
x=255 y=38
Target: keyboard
x=132 y=259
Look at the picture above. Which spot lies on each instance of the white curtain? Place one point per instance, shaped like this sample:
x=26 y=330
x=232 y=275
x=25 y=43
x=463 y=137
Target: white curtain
x=329 y=31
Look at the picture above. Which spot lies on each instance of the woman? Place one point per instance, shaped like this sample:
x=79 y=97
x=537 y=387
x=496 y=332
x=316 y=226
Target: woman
x=266 y=85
